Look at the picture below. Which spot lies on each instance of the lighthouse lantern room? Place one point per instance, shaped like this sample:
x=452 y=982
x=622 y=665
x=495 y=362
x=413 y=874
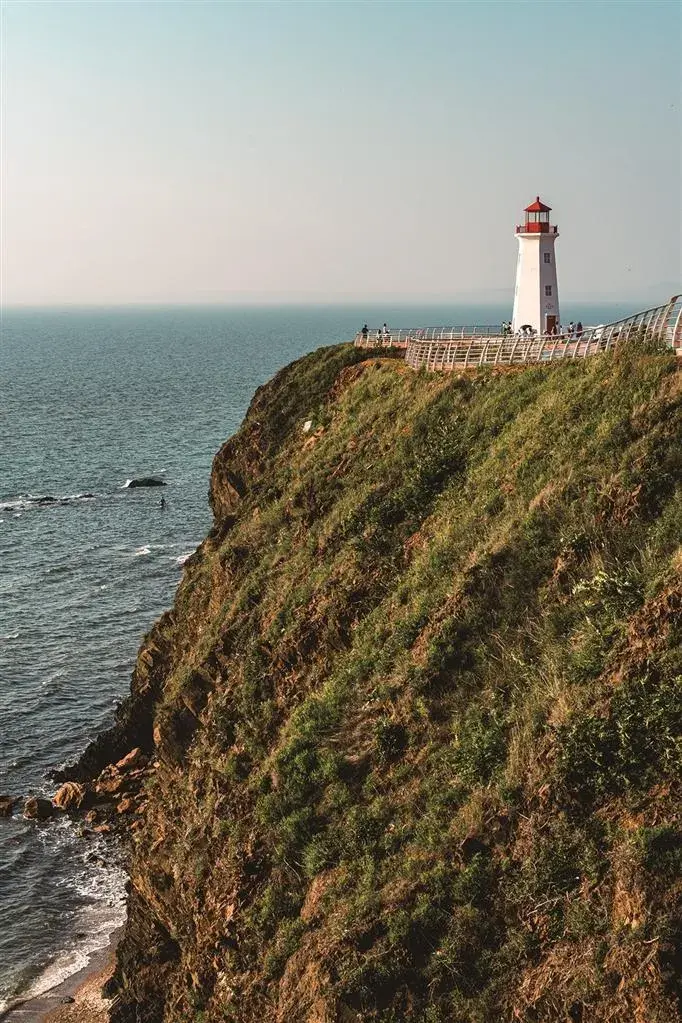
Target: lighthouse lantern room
x=536 y=296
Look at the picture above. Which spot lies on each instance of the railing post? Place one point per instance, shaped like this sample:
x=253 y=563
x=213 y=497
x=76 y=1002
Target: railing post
x=659 y=315
x=667 y=318
x=677 y=329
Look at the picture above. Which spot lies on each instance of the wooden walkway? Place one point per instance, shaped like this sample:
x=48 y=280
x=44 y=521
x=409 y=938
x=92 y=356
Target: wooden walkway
x=448 y=348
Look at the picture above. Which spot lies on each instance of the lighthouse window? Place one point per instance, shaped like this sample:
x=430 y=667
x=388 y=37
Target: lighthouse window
x=548 y=290
x=548 y=258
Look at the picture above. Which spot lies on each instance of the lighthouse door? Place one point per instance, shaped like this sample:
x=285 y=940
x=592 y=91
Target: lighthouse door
x=550 y=324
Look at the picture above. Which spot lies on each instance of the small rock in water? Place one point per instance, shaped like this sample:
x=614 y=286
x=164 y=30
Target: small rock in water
x=39 y=809
x=147 y=481
x=6 y=806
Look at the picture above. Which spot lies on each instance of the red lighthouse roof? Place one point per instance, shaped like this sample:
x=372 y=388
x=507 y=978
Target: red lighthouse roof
x=537 y=207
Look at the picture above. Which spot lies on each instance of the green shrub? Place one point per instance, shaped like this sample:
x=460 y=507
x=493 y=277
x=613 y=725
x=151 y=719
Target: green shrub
x=625 y=748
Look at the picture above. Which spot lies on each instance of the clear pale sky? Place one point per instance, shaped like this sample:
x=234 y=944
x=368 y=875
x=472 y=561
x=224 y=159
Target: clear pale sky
x=197 y=152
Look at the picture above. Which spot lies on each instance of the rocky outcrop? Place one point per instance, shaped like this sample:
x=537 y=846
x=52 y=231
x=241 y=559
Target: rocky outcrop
x=146 y=481
x=111 y=801
x=406 y=746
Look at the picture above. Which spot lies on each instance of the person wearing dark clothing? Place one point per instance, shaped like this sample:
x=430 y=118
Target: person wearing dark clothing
x=364 y=332
x=579 y=329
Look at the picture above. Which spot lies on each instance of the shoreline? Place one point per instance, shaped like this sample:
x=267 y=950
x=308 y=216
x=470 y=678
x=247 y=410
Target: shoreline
x=84 y=987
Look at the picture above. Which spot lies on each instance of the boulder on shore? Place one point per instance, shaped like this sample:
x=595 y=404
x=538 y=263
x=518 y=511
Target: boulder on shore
x=109 y=782
x=39 y=809
x=70 y=796
x=6 y=806
x=133 y=759
x=146 y=481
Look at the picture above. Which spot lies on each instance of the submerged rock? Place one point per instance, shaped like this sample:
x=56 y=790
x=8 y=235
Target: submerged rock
x=7 y=804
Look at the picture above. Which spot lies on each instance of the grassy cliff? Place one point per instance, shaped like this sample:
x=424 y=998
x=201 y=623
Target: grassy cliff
x=417 y=707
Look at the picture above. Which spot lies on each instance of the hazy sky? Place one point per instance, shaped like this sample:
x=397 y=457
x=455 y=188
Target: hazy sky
x=331 y=151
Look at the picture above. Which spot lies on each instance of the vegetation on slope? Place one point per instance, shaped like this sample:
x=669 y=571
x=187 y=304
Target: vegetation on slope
x=419 y=733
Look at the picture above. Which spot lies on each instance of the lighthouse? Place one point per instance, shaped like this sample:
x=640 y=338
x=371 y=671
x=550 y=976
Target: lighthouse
x=536 y=296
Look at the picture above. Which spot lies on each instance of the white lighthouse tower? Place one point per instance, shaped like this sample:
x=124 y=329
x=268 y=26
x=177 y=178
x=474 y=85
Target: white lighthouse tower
x=536 y=297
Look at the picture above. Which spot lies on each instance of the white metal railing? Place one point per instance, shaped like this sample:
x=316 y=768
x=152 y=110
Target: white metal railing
x=445 y=348
x=376 y=338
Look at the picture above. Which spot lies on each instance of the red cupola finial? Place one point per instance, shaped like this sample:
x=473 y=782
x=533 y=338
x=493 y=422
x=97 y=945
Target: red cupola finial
x=537 y=207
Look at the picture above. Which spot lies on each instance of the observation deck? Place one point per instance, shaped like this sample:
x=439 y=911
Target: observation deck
x=448 y=348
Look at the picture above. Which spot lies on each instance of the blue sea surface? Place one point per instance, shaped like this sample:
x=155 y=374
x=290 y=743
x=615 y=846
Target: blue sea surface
x=88 y=400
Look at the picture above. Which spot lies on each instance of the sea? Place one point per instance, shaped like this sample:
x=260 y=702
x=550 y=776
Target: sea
x=90 y=399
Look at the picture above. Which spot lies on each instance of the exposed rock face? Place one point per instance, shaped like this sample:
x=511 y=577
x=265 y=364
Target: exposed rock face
x=409 y=737
x=37 y=808
x=135 y=758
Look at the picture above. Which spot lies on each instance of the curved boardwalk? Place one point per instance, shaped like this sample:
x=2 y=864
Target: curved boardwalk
x=447 y=348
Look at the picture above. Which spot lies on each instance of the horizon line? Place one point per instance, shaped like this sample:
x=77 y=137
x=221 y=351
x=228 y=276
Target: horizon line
x=313 y=303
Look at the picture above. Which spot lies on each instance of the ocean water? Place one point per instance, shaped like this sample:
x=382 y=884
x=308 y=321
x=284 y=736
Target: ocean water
x=88 y=400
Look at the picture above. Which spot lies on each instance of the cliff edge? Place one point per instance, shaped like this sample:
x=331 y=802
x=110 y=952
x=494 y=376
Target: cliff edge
x=414 y=718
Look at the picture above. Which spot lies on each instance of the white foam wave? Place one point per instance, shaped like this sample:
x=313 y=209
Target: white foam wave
x=184 y=557
x=148 y=548
x=71 y=960
x=25 y=502
x=100 y=880
x=9 y=635
x=59 y=673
